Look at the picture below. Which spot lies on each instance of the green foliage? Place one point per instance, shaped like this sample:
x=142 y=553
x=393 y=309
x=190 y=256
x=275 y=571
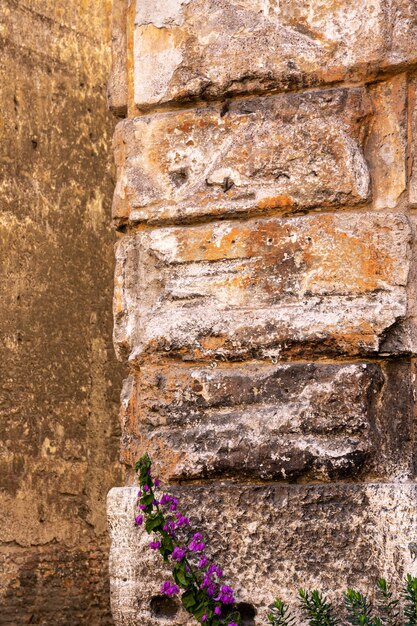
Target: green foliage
x=316 y=608
x=280 y=615
x=359 y=609
x=388 y=606
x=410 y=600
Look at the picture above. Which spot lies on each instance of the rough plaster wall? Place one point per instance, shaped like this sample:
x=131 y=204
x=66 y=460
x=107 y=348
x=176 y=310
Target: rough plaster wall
x=59 y=379
x=265 y=291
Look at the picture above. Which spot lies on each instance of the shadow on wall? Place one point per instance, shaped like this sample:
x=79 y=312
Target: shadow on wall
x=60 y=381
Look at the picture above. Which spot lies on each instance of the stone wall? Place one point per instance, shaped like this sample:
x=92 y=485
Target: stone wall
x=265 y=293
x=60 y=381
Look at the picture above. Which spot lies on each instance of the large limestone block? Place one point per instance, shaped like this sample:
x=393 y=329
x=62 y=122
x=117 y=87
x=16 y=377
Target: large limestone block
x=271 y=539
x=291 y=151
x=198 y=49
x=265 y=288
x=287 y=421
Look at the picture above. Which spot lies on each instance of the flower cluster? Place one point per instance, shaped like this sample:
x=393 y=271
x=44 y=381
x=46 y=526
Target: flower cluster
x=196 y=577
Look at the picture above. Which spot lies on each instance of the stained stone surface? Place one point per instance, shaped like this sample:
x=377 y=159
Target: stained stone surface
x=322 y=284
x=59 y=378
x=198 y=49
x=387 y=144
x=265 y=291
x=284 y=422
x=271 y=539
x=289 y=151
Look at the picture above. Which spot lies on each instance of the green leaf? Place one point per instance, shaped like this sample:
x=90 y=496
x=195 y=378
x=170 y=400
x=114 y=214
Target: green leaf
x=316 y=608
x=154 y=522
x=180 y=575
x=142 y=466
x=188 y=600
x=167 y=546
x=387 y=605
x=410 y=600
x=359 y=609
x=147 y=499
x=280 y=614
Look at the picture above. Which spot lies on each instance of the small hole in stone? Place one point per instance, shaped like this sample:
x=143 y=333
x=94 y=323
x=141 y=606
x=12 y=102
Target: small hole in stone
x=179 y=177
x=269 y=240
x=163 y=607
x=247 y=612
x=121 y=228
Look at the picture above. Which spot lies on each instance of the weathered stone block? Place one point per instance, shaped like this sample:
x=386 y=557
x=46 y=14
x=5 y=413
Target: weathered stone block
x=386 y=149
x=211 y=48
x=271 y=539
x=280 y=422
x=300 y=286
x=290 y=151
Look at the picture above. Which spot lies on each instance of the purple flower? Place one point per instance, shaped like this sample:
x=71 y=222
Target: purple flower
x=142 y=507
x=166 y=499
x=226 y=595
x=169 y=528
x=169 y=589
x=196 y=547
x=209 y=587
x=139 y=493
x=155 y=545
x=217 y=610
x=139 y=520
x=178 y=553
x=181 y=520
x=155 y=502
x=157 y=482
x=232 y=624
x=204 y=617
x=203 y=562
x=145 y=488
x=214 y=569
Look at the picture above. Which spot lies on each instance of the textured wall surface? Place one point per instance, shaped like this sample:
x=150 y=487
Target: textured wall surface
x=59 y=380
x=265 y=292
